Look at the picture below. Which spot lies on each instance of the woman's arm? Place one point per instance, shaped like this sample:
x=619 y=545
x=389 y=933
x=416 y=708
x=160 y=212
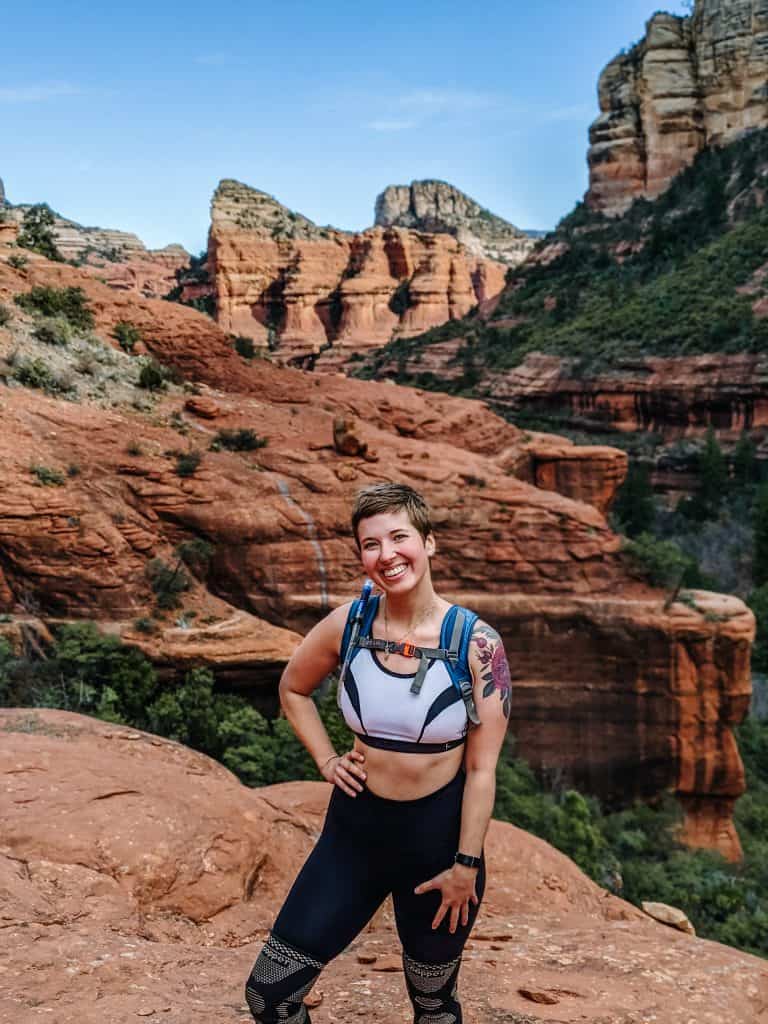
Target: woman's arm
x=315 y=657
x=492 y=691
x=490 y=675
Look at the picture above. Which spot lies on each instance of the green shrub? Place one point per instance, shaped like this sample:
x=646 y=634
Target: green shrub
x=37 y=232
x=243 y=440
x=127 y=335
x=153 y=376
x=167 y=583
x=69 y=303
x=5 y=315
x=245 y=347
x=53 y=330
x=35 y=373
x=46 y=476
x=145 y=625
x=196 y=555
x=17 y=261
x=661 y=562
x=187 y=463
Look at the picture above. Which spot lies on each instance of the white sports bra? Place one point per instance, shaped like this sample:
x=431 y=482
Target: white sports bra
x=378 y=706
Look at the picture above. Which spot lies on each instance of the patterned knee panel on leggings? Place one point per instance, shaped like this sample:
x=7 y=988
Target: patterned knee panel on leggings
x=281 y=977
x=432 y=990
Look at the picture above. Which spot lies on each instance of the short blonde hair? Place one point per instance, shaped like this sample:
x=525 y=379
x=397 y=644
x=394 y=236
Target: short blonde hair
x=391 y=497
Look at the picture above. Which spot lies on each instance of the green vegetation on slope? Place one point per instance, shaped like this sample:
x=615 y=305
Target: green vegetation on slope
x=661 y=280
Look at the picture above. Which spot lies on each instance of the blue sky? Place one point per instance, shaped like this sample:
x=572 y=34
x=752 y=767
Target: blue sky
x=128 y=117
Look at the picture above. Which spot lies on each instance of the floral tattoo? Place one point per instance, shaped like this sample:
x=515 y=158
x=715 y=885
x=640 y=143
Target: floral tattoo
x=494 y=666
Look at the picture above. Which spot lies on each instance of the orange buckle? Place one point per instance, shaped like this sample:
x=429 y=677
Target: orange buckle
x=409 y=650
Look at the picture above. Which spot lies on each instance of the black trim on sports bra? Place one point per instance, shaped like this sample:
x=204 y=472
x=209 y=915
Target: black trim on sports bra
x=406 y=747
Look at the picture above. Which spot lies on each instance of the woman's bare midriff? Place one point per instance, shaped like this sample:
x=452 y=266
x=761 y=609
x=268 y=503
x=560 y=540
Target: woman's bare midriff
x=408 y=776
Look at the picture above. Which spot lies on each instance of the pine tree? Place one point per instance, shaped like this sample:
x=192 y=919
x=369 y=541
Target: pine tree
x=37 y=232
x=634 y=507
x=760 y=533
x=744 y=462
x=713 y=477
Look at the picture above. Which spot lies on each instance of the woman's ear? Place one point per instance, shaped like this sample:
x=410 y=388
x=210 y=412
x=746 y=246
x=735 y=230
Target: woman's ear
x=429 y=545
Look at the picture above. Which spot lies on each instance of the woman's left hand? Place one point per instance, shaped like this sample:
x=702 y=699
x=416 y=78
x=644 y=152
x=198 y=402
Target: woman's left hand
x=456 y=886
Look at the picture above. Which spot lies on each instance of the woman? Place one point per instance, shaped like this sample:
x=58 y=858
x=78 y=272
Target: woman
x=412 y=800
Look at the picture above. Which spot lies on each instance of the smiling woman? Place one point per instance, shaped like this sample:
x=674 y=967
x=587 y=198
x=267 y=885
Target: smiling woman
x=412 y=800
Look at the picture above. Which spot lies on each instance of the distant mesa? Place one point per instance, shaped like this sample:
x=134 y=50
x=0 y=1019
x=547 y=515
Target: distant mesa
x=439 y=208
x=317 y=295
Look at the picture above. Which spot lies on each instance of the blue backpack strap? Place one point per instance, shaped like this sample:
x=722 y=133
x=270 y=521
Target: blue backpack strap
x=365 y=627
x=455 y=637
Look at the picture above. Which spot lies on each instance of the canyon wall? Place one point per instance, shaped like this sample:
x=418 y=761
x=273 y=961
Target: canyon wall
x=299 y=289
x=436 y=206
x=691 y=82
x=614 y=689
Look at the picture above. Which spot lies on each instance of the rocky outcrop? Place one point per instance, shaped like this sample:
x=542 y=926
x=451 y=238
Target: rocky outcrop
x=436 y=206
x=691 y=82
x=299 y=289
x=610 y=684
x=672 y=397
x=160 y=875
x=118 y=258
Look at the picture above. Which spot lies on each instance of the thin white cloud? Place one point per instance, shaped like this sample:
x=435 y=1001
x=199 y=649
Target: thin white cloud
x=38 y=93
x=578 y=112
x=391 y=126
x=217 y=60
x=439 y=101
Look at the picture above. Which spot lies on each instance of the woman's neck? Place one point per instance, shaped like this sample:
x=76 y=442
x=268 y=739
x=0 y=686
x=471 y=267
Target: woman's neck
x=405 y=607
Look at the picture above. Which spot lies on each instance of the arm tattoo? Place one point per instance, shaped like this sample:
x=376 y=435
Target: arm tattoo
x=494 y=669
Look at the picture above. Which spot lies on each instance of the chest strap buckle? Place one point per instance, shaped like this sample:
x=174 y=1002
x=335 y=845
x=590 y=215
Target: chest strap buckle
x=409 y=650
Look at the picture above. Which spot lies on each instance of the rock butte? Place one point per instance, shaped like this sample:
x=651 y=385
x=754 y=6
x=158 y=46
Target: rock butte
x=138 y=879
x=306 y=291
x=436 y=206
x=691 y=82
x=612 y=689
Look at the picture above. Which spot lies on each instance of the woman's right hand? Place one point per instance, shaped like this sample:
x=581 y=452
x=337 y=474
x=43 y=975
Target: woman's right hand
x=346 y=771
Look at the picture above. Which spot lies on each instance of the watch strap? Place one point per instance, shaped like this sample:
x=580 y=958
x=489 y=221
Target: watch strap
x=466 y=861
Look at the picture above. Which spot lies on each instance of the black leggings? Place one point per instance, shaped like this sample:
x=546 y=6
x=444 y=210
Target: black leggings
x=369 y=848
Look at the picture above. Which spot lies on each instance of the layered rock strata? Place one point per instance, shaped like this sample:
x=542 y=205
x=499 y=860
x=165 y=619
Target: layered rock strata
x=436 y=206
x=671 y=397
x=160 y=876
x=691 y=82
x=119 y=258
x=521 y=536
x=299 y=289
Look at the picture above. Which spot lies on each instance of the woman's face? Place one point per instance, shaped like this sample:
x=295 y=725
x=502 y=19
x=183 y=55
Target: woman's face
x=393 y=552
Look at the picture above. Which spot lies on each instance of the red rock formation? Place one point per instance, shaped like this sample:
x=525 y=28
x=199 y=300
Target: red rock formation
x=672 y=397
x=590 y=644
x=689 y=83
x=118 y=258
x=300 y=289
x=137 y=879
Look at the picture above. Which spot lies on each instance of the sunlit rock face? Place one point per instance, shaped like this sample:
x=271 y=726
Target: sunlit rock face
x=691 y=82
x=302 y=290
x=436 y=206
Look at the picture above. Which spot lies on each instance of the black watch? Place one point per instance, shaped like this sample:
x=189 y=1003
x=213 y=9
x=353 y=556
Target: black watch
x=467 y=861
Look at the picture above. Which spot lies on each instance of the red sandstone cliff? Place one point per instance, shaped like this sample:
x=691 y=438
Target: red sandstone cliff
x=612 y=690
x=691 y=82
x=300 y=289
x=138 y=879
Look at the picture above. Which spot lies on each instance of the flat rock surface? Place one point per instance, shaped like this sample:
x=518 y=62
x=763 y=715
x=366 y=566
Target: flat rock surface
x=138 y=878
